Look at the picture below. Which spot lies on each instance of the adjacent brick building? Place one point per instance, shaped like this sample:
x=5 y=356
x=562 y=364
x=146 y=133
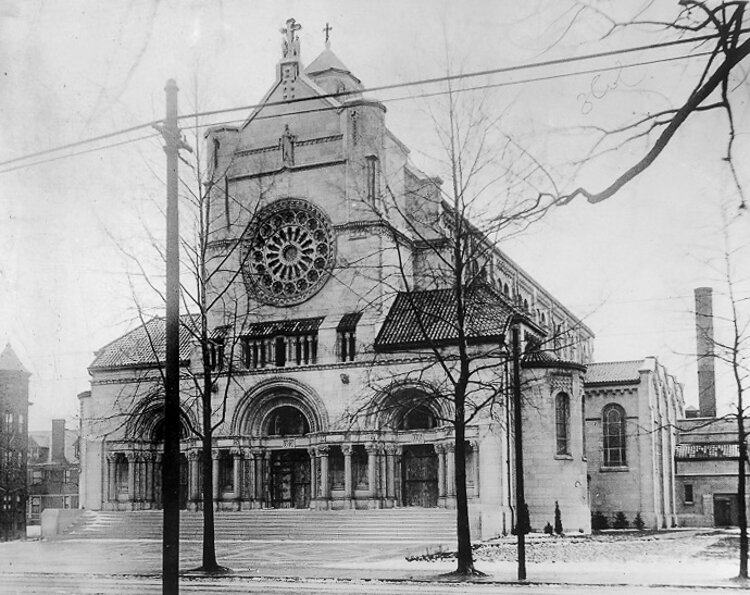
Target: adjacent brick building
x=52 y=469
x=14 y=408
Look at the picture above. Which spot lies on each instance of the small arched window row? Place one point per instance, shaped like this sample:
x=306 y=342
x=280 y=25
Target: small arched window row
x=614 y=453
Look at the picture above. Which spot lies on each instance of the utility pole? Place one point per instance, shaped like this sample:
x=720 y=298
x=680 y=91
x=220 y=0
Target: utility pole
x=521 y=520
x=171 y=459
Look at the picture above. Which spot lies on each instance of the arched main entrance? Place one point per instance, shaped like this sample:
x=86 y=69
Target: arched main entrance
x=420 y=476
x=289 y=481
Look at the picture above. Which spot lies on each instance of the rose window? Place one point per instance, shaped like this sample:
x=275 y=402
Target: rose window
x=290 y=253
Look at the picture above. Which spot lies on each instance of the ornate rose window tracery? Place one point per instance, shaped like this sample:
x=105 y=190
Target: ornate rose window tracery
x=290 y=252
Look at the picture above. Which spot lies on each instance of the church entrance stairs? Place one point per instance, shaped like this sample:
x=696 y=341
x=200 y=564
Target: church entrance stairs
x=406 y=526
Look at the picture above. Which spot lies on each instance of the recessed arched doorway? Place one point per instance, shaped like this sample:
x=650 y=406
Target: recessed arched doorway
x=290 y=468
x=419 y=464
x=420 y=476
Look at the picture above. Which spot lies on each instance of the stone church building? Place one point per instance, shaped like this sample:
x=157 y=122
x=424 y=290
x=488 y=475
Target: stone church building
x=333 y=314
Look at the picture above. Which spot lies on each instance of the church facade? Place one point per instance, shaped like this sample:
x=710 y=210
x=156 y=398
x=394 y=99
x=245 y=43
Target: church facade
x=334 y=335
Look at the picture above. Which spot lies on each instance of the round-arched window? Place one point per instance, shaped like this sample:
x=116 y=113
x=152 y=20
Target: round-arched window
x=287 y=421
x=418 y=418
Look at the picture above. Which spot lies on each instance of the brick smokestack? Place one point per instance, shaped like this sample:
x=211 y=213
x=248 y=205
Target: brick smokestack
x=57 y=446
x=704 y=334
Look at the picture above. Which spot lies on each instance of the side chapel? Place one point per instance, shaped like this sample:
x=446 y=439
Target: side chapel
x=316 y=208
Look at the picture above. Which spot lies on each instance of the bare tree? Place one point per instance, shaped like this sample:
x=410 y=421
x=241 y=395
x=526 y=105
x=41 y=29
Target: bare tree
x=718 y=29
x=451 y=313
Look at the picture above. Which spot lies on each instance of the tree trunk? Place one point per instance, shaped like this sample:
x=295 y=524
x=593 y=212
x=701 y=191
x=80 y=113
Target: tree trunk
x=465 y=556
x=741 y=507
x=209 y=545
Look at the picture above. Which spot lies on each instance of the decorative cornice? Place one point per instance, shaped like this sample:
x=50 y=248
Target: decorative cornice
x=291 y=168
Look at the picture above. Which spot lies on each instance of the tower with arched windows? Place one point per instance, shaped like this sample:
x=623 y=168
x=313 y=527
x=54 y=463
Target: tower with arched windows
x=328 y=394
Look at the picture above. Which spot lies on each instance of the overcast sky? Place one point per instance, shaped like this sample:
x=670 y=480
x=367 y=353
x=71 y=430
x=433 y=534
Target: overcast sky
x=77 y=69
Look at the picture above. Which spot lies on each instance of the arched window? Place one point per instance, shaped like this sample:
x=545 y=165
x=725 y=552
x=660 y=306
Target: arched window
x=613 y=433
x=562 y=423
x=417 y=418
x=288 y=421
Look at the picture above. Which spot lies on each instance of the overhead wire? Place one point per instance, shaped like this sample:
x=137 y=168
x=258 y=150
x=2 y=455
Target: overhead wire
x=428 y=81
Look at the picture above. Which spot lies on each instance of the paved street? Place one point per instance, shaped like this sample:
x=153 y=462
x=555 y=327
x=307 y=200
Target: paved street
x=22 y=583
x=667 y=562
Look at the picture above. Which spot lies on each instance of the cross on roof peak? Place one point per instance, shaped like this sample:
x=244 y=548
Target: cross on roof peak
x=290 y=45
x=327 y=30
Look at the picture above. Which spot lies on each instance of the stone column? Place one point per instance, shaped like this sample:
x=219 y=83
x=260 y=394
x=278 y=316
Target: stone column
x=158 y=457
x=348 y=487
x=148 y=487
x=194 y=458
x=324 y=491
x=475 y=453
x=248 y=477
x=215 y=474
x=313 y=474
x=236 y=473
x=372 y=469
x=390 y=471
x=131 y=476
x=450 y=474
x=111 y=477
x=440 y=450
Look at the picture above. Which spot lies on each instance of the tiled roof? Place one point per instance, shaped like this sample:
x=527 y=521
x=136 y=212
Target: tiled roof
x=348 y=322
x=708 y=451
x=143 y=346
x=418 y=317
x=298 y=326
x=613 y=372
x=326 y=61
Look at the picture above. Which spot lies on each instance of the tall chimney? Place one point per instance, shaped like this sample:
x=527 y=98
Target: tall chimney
x=57 y=446
x=704 y=333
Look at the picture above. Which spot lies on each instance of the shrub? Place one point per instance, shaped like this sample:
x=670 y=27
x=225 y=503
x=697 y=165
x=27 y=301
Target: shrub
x=599 y=521
x=638 y=522
x=558 y=519
x=621 y=521
x=548 y=529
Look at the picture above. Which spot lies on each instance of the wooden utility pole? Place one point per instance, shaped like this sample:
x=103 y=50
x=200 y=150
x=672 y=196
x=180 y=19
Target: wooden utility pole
x=521 y=520
x=171 y=459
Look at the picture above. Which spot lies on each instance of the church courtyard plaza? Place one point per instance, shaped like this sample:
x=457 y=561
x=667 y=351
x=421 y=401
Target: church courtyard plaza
x=681 y=558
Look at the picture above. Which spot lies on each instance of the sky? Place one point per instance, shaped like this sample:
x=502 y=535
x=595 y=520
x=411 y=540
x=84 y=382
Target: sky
x=73 y=231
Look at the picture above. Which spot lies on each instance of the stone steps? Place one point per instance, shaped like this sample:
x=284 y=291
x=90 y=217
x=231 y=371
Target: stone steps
x=402 y=525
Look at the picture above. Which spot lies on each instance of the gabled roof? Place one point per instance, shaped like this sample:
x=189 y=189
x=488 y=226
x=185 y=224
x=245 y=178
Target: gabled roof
x=418 y=318
x=625 y=372
x=144 y=346
x=9 y=361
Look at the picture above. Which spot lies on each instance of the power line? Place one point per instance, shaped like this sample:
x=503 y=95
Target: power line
x=390 y=100
x=428 y=81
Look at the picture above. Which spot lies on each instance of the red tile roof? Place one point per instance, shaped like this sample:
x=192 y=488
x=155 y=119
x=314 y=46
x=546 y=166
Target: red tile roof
x=144 y=346
x=626 y=372
x=417 y=318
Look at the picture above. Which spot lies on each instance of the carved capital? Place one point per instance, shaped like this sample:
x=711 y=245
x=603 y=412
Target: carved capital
x=373 y=448
x=193 y=455
x=449 y=447
x=215 y=455
x=323 y=450
x=347 y=449
x=439 y=448
x=131 y=456
x=393 y=449
x=112 y=457
x=148 y=456
x=236 y=452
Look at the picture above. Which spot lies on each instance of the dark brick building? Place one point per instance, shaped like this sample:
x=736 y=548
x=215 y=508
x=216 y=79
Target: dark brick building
x=14 y=408
x=52 y=470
